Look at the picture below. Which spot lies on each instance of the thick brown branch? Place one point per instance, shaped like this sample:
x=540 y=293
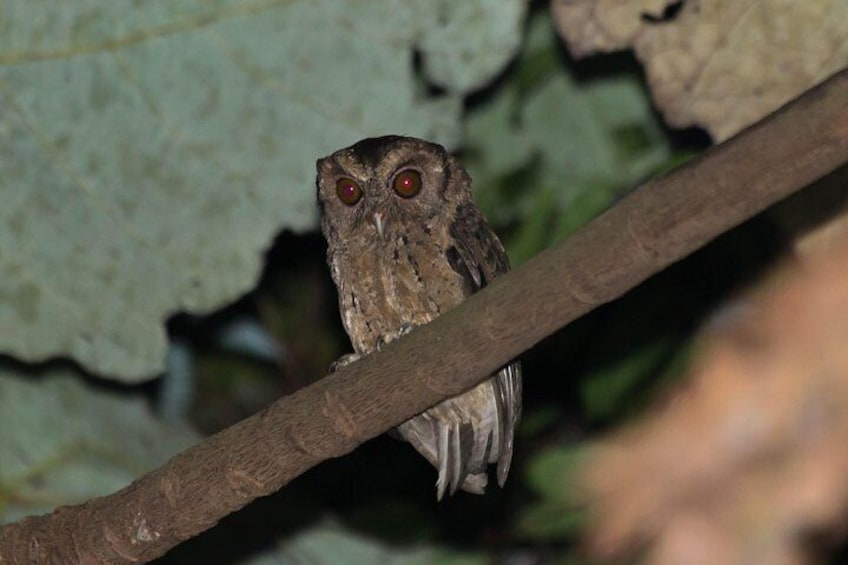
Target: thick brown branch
x=661 y=222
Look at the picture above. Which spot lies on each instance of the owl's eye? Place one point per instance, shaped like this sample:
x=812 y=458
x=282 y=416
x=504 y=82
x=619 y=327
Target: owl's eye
x=348 y=191
x=407 y=183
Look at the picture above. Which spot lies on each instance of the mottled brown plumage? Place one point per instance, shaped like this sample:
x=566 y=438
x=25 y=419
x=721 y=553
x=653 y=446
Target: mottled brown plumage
x=406 y=243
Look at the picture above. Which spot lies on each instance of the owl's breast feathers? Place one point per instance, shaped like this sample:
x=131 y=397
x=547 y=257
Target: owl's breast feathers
x=406 y=280
x=409 y=279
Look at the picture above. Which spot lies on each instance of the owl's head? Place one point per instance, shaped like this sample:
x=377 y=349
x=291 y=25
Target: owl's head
x=379 y=185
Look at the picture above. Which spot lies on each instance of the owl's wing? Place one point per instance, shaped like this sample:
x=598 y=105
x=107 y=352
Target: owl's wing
x=478 y=256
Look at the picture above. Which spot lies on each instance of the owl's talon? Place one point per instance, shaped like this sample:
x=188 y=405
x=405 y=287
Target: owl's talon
x=390 y=337
x=345 y=359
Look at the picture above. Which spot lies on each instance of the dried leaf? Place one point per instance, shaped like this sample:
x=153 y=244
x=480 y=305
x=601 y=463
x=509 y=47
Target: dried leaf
x=590 y=26
x=722 y=64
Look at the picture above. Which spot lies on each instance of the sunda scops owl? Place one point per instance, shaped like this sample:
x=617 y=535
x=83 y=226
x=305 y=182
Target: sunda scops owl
x=406 y=243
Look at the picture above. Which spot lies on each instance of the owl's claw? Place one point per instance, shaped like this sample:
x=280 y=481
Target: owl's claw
x=349 y=358
x=345 y=359
x=390 y=337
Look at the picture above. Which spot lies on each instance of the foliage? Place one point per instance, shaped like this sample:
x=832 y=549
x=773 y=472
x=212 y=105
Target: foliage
x=64 y=441
x=152 y=150
x=549 y=150
x=721 y=65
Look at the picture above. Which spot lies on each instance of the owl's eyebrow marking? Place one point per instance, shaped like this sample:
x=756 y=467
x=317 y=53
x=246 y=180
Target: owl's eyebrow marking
x=372 y=150
x=408 y=164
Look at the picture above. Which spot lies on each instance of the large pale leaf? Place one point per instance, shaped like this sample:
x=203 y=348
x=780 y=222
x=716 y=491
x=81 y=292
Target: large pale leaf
x=149 y=151
x=63 y=441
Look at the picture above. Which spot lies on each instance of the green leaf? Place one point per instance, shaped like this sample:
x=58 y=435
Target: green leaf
x=330 y=544
x=549 y=151
x=608 y=389
x=534 y=422
x=549 y=521
x=63 y=441
x=552 y=474
x=152 y=150
x=552 y=471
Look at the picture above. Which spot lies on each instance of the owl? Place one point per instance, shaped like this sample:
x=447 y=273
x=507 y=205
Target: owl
x=406 y=243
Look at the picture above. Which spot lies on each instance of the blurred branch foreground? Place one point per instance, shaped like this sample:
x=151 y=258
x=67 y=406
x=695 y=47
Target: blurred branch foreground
x=748 y=463
x=661 y=222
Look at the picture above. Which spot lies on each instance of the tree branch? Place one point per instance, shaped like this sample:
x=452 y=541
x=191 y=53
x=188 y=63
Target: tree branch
x=659 y=223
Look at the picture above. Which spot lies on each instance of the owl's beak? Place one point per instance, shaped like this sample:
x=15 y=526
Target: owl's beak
x=378 y=223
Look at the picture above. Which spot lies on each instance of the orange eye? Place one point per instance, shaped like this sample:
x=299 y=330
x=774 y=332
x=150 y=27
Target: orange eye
x=348 y=191
x=407 y=183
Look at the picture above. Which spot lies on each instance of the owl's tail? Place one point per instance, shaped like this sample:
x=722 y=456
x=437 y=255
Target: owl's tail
x=463 y=435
